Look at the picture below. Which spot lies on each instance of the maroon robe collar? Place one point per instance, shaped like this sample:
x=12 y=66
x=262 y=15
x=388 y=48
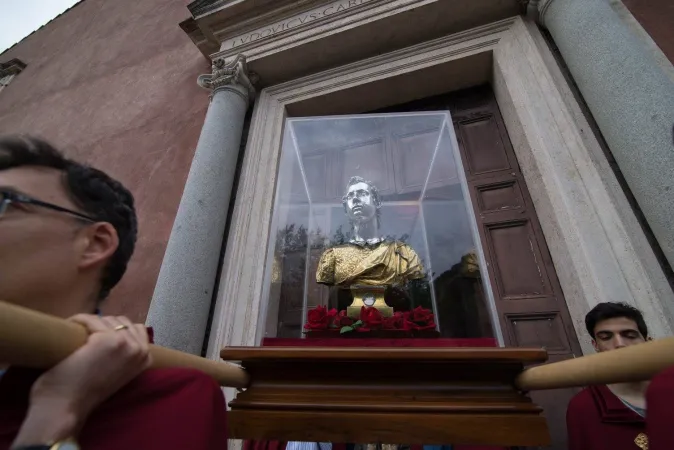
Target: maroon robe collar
x=611 y=408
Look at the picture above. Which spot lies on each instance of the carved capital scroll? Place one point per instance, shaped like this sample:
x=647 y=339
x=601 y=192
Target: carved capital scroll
x=229 y=73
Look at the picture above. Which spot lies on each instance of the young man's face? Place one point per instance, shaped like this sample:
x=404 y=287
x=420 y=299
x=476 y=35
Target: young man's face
x=618 y=332
x=39 y=248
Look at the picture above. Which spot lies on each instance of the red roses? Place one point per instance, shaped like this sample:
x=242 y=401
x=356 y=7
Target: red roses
x=420 y=319
x=342 y=320
x=417 y=319
x=320 y=318
x=396 y=322
x=371 y=319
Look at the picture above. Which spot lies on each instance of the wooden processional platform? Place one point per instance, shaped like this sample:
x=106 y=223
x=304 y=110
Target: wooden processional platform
x=414 y=395
x=387 y=395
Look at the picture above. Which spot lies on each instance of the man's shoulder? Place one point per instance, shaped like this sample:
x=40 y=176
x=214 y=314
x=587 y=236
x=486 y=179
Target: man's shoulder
x=166 y=389
x=582 y=397
x=185 y=405
x=583 y=402
x=171 y=382
x=176 y=376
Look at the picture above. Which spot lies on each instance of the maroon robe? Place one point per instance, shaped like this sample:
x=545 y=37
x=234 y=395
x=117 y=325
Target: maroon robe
x=597 y=419
x=161 y=409
x=660 y=414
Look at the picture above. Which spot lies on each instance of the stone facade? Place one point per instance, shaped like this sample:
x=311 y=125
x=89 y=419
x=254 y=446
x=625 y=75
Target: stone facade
x=598 y=247
x=120 y=92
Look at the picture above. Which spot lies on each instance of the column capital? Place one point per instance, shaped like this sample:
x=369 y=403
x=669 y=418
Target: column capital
x=226 y=73
x=536 y=9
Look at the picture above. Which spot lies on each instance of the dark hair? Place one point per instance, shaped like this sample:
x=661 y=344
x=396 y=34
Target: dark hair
x=98 y=195
x=609 y=310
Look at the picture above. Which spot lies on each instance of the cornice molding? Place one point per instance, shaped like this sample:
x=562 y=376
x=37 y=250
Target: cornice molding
x=407 y=59
x=283 y=16
x=260 y=28
x=200 y=7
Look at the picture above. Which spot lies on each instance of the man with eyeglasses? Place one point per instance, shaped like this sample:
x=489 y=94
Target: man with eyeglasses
x=67 y=232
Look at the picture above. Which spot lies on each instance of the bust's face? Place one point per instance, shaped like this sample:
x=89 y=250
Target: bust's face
x=360 y=205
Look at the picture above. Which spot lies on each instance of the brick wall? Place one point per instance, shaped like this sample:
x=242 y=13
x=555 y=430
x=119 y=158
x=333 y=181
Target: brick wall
x=113 y=83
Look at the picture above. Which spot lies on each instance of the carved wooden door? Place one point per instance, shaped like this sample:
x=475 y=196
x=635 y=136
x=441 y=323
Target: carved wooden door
x=529 y=300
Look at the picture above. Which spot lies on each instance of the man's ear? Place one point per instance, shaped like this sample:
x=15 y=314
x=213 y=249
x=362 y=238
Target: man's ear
x=594 y=344
x=97 y=244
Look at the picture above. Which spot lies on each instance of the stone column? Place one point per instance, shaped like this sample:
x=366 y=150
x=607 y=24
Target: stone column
x=631 y=97
x=182 y=297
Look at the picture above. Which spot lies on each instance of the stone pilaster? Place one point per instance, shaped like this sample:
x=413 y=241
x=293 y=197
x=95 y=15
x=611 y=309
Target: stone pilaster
x=182 y=297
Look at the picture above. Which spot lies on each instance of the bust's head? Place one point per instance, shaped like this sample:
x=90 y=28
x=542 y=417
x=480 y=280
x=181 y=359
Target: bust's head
x=361 y=201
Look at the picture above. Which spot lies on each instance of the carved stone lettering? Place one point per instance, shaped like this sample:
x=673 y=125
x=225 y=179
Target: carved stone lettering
x=293 y=22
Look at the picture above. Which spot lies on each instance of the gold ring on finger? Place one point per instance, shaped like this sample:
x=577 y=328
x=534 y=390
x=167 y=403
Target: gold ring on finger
x=120 y=327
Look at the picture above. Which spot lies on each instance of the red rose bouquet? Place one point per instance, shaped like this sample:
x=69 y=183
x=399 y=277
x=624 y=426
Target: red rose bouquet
x=370 y=319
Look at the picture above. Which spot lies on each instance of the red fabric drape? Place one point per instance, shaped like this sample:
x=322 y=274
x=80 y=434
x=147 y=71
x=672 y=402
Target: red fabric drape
x=356 y=342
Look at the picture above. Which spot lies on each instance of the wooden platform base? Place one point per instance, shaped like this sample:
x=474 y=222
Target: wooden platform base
x=390 y=395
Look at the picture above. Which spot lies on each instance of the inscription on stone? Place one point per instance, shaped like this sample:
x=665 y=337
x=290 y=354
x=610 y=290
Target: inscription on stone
x=295 y=21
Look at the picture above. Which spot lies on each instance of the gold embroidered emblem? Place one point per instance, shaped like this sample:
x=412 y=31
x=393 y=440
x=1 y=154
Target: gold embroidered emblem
x=642 y=441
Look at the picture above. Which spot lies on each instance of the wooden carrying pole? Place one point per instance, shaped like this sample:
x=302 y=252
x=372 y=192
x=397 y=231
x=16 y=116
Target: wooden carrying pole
x=635 y=363
x=32 y=339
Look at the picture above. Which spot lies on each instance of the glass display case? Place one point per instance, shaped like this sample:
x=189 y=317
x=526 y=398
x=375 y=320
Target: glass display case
x=372 y=213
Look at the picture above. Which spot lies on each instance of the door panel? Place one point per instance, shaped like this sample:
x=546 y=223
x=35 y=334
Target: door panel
x=529 y=300
x=366 y=160
x=514 y=241
x=530 y=330
x=498 y=195
x=481 y=136
x=411 y=152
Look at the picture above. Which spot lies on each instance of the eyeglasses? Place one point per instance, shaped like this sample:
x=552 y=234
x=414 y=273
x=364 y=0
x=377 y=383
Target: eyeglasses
x=9 y=197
